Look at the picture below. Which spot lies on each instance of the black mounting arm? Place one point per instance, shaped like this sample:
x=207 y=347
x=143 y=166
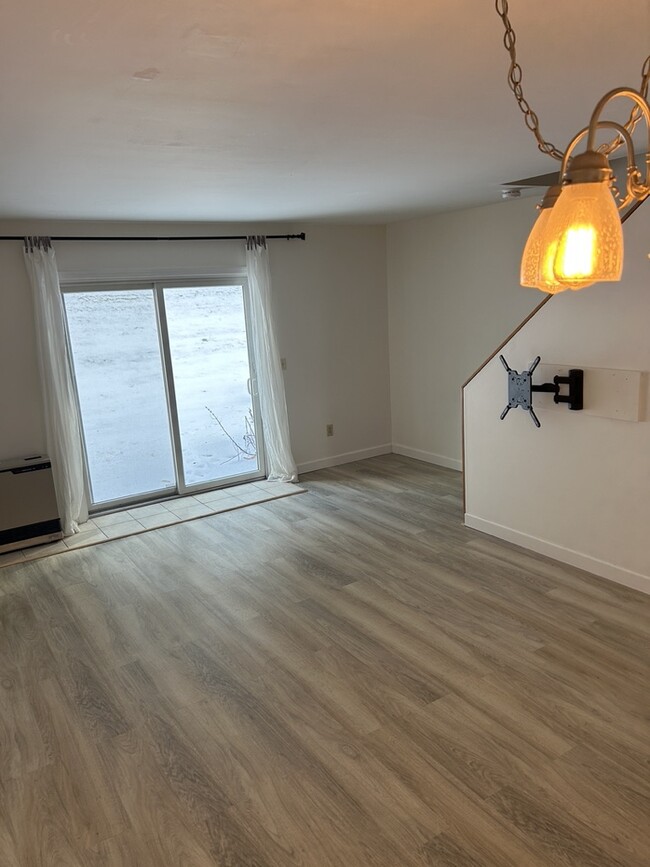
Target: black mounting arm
x=521 y=388
x=575 y=381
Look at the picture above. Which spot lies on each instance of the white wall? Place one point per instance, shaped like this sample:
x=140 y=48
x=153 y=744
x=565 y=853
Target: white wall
x=331 y=312
x=577 y=489
x=453 y=296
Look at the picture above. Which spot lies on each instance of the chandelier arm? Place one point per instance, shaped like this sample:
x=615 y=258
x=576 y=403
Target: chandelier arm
x=575 y=141
x=625 y=138
x=636 y=186
x=641 y=106
x=636 y=114
x=632 y=169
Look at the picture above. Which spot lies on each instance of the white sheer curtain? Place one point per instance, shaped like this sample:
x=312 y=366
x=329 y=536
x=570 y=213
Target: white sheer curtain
x=273 y=405
x=62 y=423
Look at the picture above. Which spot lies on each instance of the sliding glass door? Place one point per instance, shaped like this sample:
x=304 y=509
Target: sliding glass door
x=166 y=388
x=206 y=331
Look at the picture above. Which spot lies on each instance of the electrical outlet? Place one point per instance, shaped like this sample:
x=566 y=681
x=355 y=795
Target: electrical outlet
x=329 y=429
x=283 y=363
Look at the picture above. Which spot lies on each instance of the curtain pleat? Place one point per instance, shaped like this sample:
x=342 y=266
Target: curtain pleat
x=273 y=405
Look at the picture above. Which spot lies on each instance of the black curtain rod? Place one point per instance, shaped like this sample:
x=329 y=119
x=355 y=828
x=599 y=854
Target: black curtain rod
x=299 y=237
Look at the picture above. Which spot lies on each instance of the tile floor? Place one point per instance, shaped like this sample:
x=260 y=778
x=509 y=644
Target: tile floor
x=142 y=518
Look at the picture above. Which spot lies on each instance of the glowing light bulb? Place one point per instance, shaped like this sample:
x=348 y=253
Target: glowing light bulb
x=579 y=252
x=586 y=227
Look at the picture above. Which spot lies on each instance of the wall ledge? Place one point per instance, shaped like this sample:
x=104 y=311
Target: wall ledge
x=601 y=568
x=428 y=457
x=345 y=458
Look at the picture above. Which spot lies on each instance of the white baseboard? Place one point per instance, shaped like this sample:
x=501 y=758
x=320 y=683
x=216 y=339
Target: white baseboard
x=345 y=458
x=565 y=555
x=428 y=457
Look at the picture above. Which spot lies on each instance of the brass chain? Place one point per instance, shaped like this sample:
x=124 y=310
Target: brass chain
x=515 y=76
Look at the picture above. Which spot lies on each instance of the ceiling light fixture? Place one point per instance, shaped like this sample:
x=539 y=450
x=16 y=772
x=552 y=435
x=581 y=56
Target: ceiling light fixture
x=577 y=239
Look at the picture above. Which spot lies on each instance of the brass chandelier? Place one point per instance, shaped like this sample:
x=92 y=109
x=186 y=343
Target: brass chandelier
x=577 y=239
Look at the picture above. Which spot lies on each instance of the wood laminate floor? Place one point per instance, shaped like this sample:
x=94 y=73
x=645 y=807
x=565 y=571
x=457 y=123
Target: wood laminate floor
x=349 y=677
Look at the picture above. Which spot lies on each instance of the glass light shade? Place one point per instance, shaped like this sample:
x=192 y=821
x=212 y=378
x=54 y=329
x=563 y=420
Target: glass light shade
x=587 y=229
x=539 y=256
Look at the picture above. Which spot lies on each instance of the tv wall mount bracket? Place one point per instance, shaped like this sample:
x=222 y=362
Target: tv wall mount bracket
x=521 y=388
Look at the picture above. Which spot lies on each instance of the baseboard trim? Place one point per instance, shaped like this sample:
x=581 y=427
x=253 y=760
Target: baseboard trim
x=428 y=457
x=345 y=458
x=565 y=555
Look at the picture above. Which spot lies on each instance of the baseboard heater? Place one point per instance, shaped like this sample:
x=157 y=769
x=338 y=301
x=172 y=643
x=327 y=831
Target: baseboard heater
x=28 y=511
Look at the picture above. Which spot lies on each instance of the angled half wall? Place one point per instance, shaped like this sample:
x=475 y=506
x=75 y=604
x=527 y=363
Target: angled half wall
x=577 y=488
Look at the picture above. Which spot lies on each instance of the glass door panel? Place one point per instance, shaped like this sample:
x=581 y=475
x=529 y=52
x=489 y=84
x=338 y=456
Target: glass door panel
x=122 y=397
x=210 y=371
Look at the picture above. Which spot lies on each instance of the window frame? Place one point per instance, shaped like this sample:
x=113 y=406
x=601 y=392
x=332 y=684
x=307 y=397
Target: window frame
x=158 y=286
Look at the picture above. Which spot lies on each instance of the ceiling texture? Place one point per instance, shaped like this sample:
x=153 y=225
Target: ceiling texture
x=368 y=110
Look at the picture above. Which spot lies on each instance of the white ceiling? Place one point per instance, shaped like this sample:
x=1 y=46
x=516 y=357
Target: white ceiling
x=291 y=109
